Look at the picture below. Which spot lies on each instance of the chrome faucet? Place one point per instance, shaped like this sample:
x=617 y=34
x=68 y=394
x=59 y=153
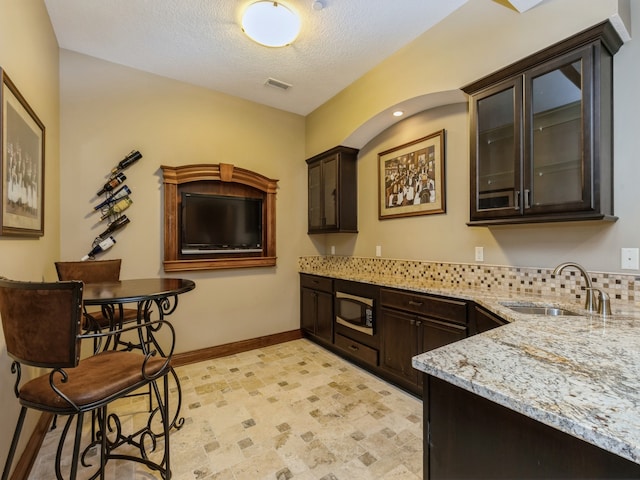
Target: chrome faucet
x=589 y=304
x=604 y=302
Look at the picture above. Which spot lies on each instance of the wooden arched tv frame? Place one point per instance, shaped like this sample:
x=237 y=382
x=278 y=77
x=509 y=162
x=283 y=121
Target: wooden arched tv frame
x=220 y=179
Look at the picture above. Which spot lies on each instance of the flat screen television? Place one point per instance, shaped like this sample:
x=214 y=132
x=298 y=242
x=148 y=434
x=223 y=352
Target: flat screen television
x=220 y=224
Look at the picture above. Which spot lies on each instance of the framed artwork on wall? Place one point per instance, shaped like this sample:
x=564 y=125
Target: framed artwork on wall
x=22 y=159
x=411 y=178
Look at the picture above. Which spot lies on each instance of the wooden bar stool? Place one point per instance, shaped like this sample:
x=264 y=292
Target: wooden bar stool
x=42 y=328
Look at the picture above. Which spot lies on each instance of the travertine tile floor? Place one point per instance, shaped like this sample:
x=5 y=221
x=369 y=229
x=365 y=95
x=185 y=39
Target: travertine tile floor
x=290 y=411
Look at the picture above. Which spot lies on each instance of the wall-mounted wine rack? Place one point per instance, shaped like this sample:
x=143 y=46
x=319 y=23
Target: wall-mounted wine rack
x=117 y=200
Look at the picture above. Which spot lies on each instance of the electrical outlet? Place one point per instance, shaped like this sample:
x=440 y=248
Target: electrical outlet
x=629 y=259
x=479 y=254
x=378 y=250
x=333 y=249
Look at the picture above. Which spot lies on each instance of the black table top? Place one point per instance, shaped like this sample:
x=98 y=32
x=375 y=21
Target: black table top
x=134 y=290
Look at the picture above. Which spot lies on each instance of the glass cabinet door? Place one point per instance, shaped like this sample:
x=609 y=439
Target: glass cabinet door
x=541 y=135
x=333 y=205
x=323 y=191
x=315 y=195
x=556 y=151
x=497 y=150
x=330 y=191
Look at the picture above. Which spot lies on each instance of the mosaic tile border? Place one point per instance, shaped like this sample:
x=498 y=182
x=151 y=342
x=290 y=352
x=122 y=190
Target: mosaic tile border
x=521 y=280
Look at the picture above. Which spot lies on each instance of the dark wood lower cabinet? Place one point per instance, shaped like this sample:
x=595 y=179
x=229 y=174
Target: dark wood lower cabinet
x=399 y=344
x=406 y=336
x=467 y=437
x=413 y=323
x=316 y=307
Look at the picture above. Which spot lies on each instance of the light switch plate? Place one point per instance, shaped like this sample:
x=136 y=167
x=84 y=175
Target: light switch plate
x=629 y=259
x=479 y=254
x=378 y=250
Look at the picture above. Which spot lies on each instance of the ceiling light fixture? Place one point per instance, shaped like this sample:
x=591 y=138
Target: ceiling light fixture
x=272 y=82
x=398 y=113
x=270 y=23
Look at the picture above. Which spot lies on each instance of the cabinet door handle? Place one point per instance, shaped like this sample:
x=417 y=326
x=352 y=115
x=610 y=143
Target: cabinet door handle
x=418 y=323
x=413 y=303
x=517 y=200
x=526 y=198
x=353 y=347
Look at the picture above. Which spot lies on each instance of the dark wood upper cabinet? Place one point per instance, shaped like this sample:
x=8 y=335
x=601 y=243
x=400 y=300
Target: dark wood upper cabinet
x=333 y=192
x=541 y=135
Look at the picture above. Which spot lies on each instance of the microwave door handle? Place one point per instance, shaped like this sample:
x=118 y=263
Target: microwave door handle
x=360 y=300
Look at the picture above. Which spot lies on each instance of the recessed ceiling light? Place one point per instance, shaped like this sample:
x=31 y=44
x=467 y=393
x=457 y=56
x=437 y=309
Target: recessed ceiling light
x=270 y=23
x=398 y=113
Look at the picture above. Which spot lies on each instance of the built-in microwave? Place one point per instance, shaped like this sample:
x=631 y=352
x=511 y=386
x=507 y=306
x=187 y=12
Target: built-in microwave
x=355 y=312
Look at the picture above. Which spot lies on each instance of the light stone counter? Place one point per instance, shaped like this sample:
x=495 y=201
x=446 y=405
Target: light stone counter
x=579 y=374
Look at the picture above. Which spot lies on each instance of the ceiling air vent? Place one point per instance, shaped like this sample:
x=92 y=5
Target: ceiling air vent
x=272 y=82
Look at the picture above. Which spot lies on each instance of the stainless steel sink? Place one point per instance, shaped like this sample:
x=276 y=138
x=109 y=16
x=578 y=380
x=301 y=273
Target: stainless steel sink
x=547 y=310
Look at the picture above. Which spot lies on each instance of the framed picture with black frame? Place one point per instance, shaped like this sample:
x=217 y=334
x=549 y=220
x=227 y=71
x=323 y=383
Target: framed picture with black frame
x=412 y=178
x=22 y=156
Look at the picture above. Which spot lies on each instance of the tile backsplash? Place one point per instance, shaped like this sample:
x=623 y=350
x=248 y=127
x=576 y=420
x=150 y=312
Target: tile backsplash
x=495 y=278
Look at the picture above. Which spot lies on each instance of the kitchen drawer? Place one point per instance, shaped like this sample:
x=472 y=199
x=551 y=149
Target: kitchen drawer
x=434 y=307
x=357 y=349
x=316 y=283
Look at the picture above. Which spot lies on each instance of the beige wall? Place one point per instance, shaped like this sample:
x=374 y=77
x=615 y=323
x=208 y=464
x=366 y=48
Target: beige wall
x=29 y=55
x=454 y=53
x=108 y=110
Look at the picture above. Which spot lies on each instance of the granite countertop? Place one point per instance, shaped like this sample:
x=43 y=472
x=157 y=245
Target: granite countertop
x=579 y=374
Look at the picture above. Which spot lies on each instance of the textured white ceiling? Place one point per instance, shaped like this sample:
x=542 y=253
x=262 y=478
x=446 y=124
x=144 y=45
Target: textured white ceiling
x=201 y=42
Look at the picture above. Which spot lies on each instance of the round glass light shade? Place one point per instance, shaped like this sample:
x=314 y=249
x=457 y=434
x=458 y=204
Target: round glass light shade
x=270 y=23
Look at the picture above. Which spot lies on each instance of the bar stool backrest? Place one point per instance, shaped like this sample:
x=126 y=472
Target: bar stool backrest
x=41 y=322
x=92 y=271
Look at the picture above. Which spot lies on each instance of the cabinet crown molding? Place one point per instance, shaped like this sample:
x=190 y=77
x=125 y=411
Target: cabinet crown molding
x=222 y=172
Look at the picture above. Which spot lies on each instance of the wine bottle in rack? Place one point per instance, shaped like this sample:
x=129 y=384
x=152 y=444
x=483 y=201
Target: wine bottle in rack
x=130 y=159
x=118 y=207
x=105 y=244
x=118 y=194
x=112 y=183
x=114 y=226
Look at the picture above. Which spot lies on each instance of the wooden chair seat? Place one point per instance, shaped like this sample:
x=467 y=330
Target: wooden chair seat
x=92 y=383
